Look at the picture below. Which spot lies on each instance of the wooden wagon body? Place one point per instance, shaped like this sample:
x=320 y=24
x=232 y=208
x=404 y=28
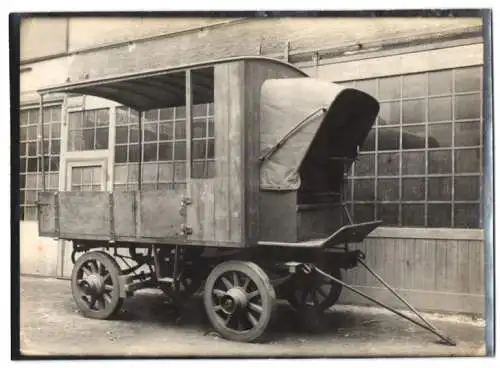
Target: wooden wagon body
x=290 y=196
x=259 y=222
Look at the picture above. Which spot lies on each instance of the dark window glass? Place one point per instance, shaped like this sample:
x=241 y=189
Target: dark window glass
x=414 y=111
x=466 y=215
x=390 y=88
x=388 y=164
x=388 y=213
x=415 y=85
x=441 y=82
x=467 y=188
x=440 y=109
x=390 y=113
x=413 y=163
x=364 y=190
x=468 y=106
x=439 y=215
x=413 y=215
x=388 y=139
x=467 y=161
x=439 y=162
x=413 y=137
x=442 y=134
x=413 y=189
x=364 y=212
x=388 y=190
x=439 y=189
x=365 y=165
x=468 y=79
x=467 y=134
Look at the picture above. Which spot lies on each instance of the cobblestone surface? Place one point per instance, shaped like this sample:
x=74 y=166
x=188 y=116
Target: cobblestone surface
x=50 y=324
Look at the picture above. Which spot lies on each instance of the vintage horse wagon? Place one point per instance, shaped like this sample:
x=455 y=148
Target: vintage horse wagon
x=259 y=218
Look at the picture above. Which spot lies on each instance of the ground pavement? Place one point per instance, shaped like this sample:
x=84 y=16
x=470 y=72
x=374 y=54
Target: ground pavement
x=51 y=325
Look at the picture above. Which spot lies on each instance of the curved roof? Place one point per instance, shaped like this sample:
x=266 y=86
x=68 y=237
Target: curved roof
x=155 y=88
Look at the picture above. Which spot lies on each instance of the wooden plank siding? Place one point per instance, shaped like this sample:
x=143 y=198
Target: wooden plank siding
x=215 y=212
x=434 y=275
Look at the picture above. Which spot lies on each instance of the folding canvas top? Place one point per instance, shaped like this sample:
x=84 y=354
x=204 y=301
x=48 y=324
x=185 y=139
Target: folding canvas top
x=294 y=111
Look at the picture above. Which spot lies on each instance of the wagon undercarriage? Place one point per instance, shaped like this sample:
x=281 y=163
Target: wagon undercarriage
x=240 y=287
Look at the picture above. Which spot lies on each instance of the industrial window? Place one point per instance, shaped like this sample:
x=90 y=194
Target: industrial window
x=202 y=127
x=163 y=149
x=88 y=130
x=30 y=163
x=86 y=178
x=421 y=164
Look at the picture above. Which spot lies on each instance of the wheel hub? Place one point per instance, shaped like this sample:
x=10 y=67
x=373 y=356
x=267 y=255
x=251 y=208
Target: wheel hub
x=95 y=284
x=234 y=299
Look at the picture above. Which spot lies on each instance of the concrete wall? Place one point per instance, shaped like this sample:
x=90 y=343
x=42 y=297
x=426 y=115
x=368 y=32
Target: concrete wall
x=38 y=256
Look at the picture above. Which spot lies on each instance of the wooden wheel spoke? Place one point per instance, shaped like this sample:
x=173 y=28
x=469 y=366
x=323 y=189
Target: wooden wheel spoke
x=217 y=308
x=255 y=307
x=235 y=279
x=86 y=271
x=226 y=282
x=93 y=267
x=107 y=277
x=106 y=298
x=108 y=287
x=246 y=283
x=252 y=319
x=218 y=293
x=253 y=294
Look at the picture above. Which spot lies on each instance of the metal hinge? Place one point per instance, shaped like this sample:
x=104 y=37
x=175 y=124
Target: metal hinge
x=186 y=229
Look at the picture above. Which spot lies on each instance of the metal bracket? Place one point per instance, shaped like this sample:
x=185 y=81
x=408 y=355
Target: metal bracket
x=186 y=229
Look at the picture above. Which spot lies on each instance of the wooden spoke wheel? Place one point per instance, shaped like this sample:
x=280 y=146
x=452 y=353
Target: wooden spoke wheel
x=239 y=300
x=95 y=285
x=314 y=291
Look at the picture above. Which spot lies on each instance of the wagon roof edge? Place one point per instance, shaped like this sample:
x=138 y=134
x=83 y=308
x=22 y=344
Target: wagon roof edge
x=68 y=87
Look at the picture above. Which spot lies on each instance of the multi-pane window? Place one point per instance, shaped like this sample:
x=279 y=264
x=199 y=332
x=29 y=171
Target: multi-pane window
x=88 y=130
x=30 y=156
x=86 y=178
x=421 y=164
x=203 y=140
x=163 y=148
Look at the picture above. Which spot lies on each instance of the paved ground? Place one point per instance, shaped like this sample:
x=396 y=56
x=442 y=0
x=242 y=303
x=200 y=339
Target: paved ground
x=50 y=324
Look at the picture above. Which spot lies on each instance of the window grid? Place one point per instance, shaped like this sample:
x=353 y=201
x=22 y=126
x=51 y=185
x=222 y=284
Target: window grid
x=88 y=130
x=163 y=147
x=452 y=172
x=30 y=161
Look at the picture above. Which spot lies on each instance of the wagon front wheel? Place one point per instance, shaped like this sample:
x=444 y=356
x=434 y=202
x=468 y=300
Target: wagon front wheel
x=239 y=300
x=95 y=285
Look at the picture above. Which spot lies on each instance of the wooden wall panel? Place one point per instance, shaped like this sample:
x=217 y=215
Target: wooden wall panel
x=432 y=274
x=227 y=186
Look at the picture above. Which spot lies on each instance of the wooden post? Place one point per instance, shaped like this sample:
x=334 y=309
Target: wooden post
x=139 y=174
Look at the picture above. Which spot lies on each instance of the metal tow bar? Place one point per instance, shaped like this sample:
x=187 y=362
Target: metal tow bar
x=426 y=325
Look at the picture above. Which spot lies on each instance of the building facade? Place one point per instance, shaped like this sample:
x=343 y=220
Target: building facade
x=420 y=170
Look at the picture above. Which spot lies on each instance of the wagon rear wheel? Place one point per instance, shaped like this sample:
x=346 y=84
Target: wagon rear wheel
x=239 y=300
x=96 y=286
x=313 y=291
